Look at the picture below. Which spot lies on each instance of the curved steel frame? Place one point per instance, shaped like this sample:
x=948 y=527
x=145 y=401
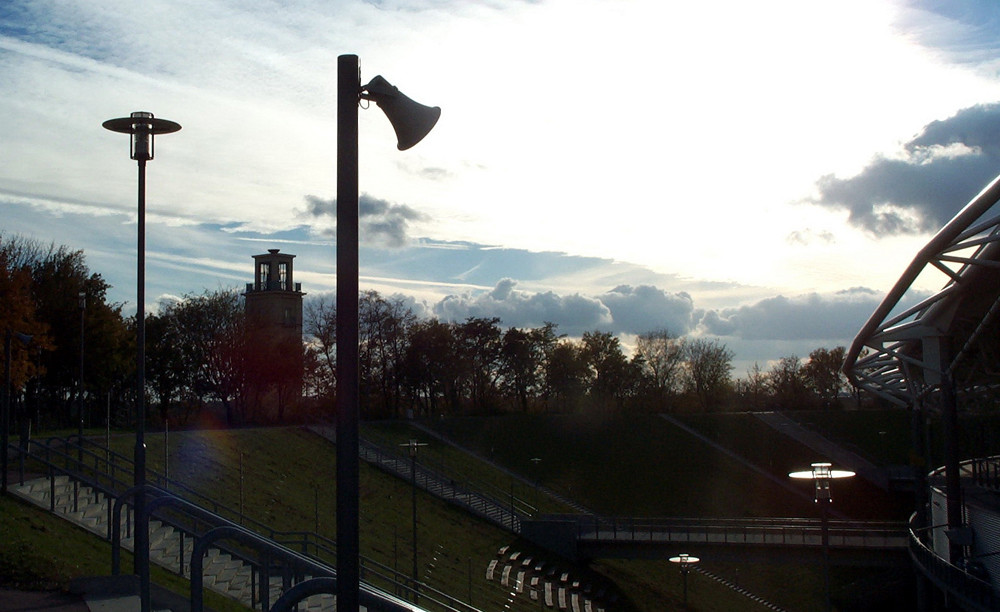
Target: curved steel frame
x=902 y=356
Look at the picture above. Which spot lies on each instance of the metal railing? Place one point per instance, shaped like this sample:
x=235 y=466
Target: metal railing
x=89 y=465
x=986 y=472
x=974 y=593
x=507 y=513
x=764 y=531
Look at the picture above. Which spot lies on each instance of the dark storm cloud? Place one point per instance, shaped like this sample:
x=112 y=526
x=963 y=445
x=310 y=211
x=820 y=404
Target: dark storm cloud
x=624 y=309
x=812 y=317
x=944 y=167
x=380 y=221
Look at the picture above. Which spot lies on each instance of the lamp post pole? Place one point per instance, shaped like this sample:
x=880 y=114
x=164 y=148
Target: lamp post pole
x=79 y=430
x=413 y=445
x=685 y=561
x=348 y=410
x=5 y=423
x=821 y=474
x=83 y=310
x=25 y=339
x=143 y=127
x=412 y=122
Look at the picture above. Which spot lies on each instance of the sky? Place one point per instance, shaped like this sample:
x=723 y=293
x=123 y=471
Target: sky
x=754 y=173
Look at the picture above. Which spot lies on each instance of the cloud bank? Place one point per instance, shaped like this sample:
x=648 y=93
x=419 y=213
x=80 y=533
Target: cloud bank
x=815 y=319
x=938 y=172
x=380 y=221
x=806 y=317
x=624 y=309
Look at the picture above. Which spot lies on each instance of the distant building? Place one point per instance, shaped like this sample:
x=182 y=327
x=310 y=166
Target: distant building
x=274 y=317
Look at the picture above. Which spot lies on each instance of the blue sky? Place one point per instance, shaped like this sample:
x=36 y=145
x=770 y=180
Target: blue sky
x=756 y=172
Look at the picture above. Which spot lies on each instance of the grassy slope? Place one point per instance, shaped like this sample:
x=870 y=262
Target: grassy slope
x=640 y=466
x=33 y=555
x=300 y=466
x=643 y=466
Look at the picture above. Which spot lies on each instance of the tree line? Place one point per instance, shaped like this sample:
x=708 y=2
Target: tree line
x=204 y=361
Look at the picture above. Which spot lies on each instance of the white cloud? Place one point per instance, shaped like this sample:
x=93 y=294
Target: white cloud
x=668 y=161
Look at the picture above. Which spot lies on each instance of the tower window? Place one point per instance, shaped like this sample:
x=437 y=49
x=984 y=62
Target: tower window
x=262 y=273
x=283 y=276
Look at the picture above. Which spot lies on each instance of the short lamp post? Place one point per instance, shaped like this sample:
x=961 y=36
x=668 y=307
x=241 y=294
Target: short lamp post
x=8 y=337
x=411 y=122
x=143 y=127
x=822 y=474
x=685 y=561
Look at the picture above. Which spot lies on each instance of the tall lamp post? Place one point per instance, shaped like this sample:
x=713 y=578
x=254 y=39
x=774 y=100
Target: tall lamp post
x=83 y=309
x=685 y=561
x=79 y=440
x=821 y=474
x=25 y=339
x=413 y=445
x=143 y=127
x=411 y=122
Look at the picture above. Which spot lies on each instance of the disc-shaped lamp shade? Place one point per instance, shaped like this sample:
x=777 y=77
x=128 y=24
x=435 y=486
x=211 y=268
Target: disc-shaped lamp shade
x=143 y=127
x=821 y=470
x=821 y=474
x=684 y=559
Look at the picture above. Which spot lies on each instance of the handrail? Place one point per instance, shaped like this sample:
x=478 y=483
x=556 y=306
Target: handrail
x=69 y=452
x=780 y=531
x=975 y=594
x=505 y=514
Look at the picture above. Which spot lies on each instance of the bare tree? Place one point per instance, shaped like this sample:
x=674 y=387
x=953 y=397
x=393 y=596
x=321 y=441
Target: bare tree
x=321 y=362
x=707 y=367
x=822 y=373
x=662 y=356
x=788 y=384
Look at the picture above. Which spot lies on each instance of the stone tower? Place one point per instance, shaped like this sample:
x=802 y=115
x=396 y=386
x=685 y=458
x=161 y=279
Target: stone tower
x=274 y=316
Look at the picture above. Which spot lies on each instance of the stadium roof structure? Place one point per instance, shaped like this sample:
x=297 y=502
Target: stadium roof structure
x=904 y=352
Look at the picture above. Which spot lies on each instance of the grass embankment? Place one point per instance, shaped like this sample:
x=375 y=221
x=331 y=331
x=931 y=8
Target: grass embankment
x=642 y=466
x=288 y=475
x=288 y=484
x=645 y=466
x=41 y=552
x=885 y=437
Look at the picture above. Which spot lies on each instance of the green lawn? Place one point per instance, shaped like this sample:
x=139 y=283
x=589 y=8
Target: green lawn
x=300 y=466
x=640 y=466
x=34 y=556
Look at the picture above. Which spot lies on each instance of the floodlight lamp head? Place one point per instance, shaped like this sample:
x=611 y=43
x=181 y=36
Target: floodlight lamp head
x=410 y=120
